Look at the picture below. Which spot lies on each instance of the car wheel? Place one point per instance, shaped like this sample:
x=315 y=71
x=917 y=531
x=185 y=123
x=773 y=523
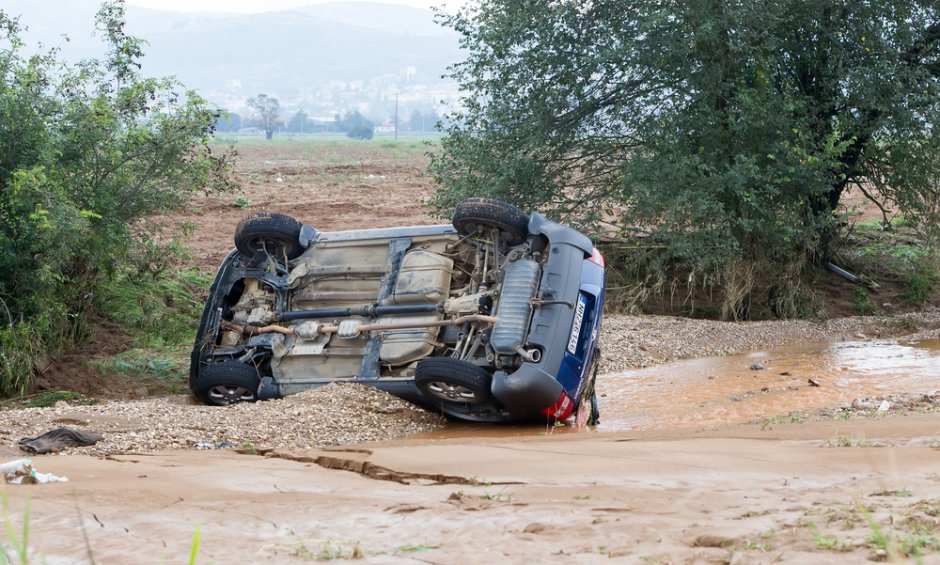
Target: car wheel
x=227 y=383
x=275 y=233
x=588 y=413
x=473 y=215
x=453 y=380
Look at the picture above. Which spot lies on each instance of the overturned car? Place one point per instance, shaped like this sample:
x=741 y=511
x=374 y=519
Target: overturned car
x=492 y=318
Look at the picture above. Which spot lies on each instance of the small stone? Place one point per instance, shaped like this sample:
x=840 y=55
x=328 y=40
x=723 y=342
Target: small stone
x=707 y=540
x=757 y=367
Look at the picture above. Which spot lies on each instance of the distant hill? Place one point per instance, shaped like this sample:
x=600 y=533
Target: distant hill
x=335 y=55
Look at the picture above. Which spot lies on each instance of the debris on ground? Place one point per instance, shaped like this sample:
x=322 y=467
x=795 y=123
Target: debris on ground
x=21 y=472
x=58 y=440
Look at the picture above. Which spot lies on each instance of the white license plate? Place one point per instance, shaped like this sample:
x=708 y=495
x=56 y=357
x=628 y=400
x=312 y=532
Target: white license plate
x=576 y=326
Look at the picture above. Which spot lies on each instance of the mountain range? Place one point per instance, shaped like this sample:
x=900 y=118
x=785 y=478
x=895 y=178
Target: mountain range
x=325 y=57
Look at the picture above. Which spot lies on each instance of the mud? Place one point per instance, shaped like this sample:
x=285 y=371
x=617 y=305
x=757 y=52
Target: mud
x=668 y=477
x=778 y=383
x=742 y=495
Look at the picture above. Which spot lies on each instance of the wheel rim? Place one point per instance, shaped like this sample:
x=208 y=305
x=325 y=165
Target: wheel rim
x=229 y=394
x=268 y=244
x=451 y=392
x=505 y=232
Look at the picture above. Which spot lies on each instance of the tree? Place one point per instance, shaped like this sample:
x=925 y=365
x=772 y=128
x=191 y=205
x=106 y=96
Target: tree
x=728 y=131
x=356 y=125
x=269 y=109
x=86 y=154
x=299 y=122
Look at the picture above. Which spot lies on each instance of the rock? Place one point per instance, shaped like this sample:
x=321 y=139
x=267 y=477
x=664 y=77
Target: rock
x=757 y=367
x=535 y=528
x=709 y=540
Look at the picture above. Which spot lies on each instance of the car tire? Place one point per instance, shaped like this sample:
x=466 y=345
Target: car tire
x=588 y=413
x=276 y=233
x=221 y=384
x=472 y=215
x=453 y=381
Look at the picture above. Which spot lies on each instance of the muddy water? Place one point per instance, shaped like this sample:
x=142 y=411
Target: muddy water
x=712 y=391
x=716 y=390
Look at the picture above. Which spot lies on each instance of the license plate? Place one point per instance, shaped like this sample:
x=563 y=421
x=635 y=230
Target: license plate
x=576 y=326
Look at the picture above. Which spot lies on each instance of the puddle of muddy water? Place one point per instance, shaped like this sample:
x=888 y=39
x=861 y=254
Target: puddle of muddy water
x=722 y=390
x=717 y=390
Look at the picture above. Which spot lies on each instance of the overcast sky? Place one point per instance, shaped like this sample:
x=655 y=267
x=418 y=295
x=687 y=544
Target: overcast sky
x=247 y=6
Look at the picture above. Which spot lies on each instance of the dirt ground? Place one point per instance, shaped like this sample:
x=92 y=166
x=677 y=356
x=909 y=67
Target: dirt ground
x=828 y=491
x=745 y=494
x=330 y=186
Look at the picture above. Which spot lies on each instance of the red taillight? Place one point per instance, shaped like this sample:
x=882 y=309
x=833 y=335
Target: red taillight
x=597 y=258
x=561 y=409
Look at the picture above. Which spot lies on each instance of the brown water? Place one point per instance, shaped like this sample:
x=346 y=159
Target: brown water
x=724 y=390
x=716 y=390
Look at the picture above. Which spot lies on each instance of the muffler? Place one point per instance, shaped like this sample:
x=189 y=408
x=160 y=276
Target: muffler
x=515 y=306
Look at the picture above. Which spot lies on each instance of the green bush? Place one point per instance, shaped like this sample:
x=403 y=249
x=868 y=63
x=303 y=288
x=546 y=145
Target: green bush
x=86 y=152
x=720 y=130
x=158 y=311
x=917 y=287
x=862 y=302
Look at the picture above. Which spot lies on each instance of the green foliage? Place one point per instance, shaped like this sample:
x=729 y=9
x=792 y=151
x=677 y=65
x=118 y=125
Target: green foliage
x=361 y=132
x=917 y=287
x=726 y=133
x=50 y=397
x=862 y=302
x=356 y=125
x=268 y=108
x=146 y=365
x=194 y=548
x=20 y=347
x=86 y=152
x=160 y=310
x=299 y=122
x=823 y=541
x=892 y=252
x=17 y=541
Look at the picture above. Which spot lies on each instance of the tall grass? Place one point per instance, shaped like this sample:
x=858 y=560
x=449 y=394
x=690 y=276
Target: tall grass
x=159 y=311
x=17 y=542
